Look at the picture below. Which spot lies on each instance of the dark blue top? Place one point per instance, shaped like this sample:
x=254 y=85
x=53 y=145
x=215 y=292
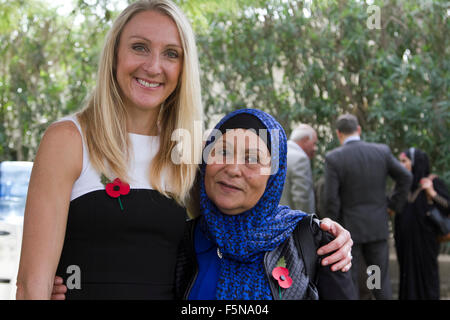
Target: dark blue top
x=205 y=284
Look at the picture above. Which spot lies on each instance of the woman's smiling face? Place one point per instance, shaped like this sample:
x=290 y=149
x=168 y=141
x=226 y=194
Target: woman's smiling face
x=149 y=60
x=233 y=175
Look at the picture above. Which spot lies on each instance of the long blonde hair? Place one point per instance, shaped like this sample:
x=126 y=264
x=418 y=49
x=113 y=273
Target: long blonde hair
x=104 y=117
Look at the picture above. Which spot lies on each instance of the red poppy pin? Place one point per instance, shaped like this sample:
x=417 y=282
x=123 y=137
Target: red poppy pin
x=116 y=188
x=281 y=274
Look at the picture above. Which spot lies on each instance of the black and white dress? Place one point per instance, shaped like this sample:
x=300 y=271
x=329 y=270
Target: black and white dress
x=110 y=253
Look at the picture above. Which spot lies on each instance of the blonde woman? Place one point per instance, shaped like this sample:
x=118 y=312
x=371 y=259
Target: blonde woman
x=108 y=238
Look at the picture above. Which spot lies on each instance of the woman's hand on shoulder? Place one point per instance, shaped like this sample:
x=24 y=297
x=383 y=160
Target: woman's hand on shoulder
x=341 y=259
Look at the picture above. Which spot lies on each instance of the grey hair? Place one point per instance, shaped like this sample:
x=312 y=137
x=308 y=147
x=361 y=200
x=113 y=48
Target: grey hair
x=301 y=132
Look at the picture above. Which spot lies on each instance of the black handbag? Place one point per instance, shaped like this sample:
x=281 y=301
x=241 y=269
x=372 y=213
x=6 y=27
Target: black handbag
x=440 y=221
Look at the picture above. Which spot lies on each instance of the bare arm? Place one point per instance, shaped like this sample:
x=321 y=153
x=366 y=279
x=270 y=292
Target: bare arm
x=57 y=165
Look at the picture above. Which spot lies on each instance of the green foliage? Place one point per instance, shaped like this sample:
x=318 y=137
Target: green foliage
x=311 y=63
x=47 y=68
x=302 y=61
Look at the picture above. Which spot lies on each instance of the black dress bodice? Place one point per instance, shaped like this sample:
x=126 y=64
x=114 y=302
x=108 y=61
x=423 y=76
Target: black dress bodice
x=127 y=254
x=110 y=253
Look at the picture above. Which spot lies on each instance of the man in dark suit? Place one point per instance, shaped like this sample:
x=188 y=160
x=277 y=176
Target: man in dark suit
x=355 y=195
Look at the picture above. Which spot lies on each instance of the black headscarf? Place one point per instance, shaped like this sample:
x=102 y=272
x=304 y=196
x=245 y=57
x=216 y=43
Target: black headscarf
x=420 y=165
x=415 y=235
x=246 y=121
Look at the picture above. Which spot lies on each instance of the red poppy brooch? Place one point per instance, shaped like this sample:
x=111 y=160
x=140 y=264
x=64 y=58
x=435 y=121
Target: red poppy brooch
x=281 y=274
x=115 y=188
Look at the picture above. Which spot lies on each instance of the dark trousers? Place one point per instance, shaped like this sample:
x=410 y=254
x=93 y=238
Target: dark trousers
x=372 y=254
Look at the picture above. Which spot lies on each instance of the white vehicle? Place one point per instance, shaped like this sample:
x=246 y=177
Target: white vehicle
x=14 y=178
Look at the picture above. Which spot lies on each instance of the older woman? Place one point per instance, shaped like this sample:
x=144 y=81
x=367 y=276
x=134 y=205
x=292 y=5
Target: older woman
x=233 y=250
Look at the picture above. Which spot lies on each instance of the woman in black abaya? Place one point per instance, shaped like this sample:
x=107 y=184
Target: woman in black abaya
x=415 y=236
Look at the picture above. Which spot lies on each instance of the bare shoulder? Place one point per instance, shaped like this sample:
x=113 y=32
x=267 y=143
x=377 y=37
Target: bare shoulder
x=61 y=147
x=63 y=130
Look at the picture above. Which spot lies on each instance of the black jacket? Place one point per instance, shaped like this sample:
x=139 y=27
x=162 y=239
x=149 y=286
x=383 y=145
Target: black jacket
x=355 y=188
x=327 y=285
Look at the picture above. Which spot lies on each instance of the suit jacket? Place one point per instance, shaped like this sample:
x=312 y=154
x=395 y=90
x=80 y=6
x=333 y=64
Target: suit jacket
x=355 y=188
x=298 y=192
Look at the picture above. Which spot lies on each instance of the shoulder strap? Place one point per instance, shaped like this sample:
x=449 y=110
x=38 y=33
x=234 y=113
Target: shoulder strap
x=73 y=118
x=305 y=243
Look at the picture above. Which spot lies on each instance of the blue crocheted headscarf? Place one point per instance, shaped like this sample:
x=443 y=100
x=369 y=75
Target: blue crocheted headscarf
x=243 y=239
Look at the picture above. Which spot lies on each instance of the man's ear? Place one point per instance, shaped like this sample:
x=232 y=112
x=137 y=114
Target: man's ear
x=339 y=136
x=359 y=130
